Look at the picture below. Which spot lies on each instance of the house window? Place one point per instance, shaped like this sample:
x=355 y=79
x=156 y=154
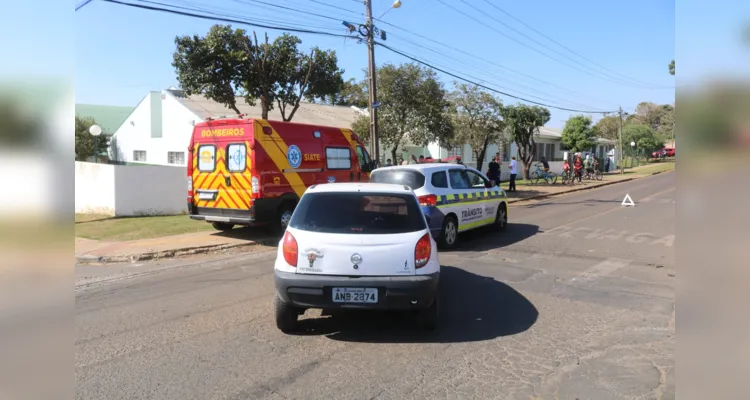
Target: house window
x=546 y=150
x=506 y=151
x=139 y=155
x=338 y=158
x=176 y=157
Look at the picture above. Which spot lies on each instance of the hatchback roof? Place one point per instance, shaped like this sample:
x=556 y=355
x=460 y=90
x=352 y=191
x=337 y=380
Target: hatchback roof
x=425 y=166
x=348 y=187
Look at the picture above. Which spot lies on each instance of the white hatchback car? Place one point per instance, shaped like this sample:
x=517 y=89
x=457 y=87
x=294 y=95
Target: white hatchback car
x=357 y=245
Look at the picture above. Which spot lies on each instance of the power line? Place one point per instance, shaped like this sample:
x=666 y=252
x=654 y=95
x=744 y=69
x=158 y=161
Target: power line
x=83 y=4
x=468 y=66
x=486 y=87
x=493 y=63
x=230 y=20
x=561 y=45
x=196 y=8
x=532 y=48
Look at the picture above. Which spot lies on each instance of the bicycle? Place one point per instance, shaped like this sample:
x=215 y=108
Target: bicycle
x=597 y=174
x=536 y=175
x=567 y=177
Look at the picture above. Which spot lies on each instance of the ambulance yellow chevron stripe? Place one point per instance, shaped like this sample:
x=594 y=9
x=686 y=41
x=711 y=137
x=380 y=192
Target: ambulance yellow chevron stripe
x=276 y=148
x=236 y=196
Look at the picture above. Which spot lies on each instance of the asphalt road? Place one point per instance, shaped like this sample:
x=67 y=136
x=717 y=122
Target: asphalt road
x=575 y=301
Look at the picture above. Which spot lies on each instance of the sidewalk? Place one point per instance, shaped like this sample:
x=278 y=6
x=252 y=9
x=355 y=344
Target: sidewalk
x=95 y=251
x=88 y=250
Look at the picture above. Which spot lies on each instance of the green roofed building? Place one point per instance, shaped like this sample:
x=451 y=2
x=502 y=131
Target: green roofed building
x=110 y=118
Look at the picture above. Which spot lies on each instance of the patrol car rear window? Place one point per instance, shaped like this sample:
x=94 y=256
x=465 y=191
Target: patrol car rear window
x=410 y=178
x=358 y=213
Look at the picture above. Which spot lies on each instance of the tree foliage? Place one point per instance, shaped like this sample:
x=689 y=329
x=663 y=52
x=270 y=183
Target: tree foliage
x=361 y=126
x=646 y=140
x=578 y=134
x=477 y=119
x=522 y=124
x=413 y=107
x=227 y=62
x=608 y=127
x=352 y=93
x=671 y=68
x=88 y=145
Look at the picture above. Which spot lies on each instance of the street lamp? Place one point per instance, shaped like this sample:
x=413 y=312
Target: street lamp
x=632 y=160
x=95 y=131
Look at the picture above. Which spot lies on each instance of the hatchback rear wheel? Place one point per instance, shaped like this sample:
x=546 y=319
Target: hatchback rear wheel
x=449 y=233
x=428 y=318
x=286 y=315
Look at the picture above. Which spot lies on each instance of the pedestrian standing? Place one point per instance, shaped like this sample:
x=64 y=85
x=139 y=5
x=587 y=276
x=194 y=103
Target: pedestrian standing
x=513 y=172
x=606 y=165
x=493 y=172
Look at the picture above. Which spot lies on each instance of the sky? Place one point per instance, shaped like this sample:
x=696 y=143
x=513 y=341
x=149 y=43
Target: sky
x=587 y=57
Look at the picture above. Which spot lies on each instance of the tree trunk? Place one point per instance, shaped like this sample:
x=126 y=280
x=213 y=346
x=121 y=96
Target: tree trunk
x=263 y=107
x=234 y=108
x=482 y=153
x=393 y=154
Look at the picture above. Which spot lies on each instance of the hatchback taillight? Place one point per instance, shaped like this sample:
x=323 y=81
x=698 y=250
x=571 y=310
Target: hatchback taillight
x=422 y=251
x=289 y=248
x=429 y=200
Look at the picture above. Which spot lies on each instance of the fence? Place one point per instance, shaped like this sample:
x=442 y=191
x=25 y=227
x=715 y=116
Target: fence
x=128 y=190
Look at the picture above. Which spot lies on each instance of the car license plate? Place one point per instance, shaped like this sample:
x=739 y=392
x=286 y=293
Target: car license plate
x=206 y=195
x=355 y=295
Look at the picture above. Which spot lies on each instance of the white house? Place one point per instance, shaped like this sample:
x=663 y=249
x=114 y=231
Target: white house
x=159 y=128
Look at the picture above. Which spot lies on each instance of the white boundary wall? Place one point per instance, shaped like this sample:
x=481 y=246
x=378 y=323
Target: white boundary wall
x=130 y=190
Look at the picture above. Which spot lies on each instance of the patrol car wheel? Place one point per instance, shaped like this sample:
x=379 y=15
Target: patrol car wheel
x=449 y=233
x=286 y=315
x=222 y=226
x=501 y=219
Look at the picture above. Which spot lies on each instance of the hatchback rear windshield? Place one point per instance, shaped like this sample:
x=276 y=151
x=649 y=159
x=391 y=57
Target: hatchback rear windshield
x=410 y=178
x=358 y=213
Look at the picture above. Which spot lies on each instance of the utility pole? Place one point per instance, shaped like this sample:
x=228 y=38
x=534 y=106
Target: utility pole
x=622 y=167
x=374 y=138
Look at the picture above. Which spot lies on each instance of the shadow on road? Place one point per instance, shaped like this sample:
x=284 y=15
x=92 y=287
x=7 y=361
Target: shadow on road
x=472 y=308
x=487 y=239
x=255 y=234
x=589 y=203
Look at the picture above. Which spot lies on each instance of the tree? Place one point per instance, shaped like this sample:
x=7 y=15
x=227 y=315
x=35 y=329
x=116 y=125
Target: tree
x=413 y=107
x=227 y=62
x=87 y=145
x=352 y=94
x=477 y=119
x=522 y=123
x=578 y=135
x=608 y=127
x=361 y=126
x=646 y=140
x=671 y=68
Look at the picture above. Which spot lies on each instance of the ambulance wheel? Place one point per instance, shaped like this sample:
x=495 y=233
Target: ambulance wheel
x=501 y=219
x=283 y=217
x=449 y=233
x=222 y=226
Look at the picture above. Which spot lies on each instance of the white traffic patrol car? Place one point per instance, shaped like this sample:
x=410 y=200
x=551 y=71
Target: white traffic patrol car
x=454 y=197
x=357 y=245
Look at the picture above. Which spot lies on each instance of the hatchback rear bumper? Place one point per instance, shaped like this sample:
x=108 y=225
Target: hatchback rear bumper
x=394 y=292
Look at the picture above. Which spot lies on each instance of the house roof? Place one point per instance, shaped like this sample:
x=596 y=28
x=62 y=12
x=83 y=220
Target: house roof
x=108 y=117
x=551 y=133
x=307 y=113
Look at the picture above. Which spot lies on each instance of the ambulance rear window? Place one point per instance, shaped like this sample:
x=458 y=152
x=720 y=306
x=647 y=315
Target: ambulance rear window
x=410 y=178
x=206 y=158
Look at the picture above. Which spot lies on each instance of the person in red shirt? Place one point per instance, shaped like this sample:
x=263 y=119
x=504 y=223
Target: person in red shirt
x=578 y=166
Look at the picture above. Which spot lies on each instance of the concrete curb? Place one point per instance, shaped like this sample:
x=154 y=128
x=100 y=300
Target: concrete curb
x=171 y=253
